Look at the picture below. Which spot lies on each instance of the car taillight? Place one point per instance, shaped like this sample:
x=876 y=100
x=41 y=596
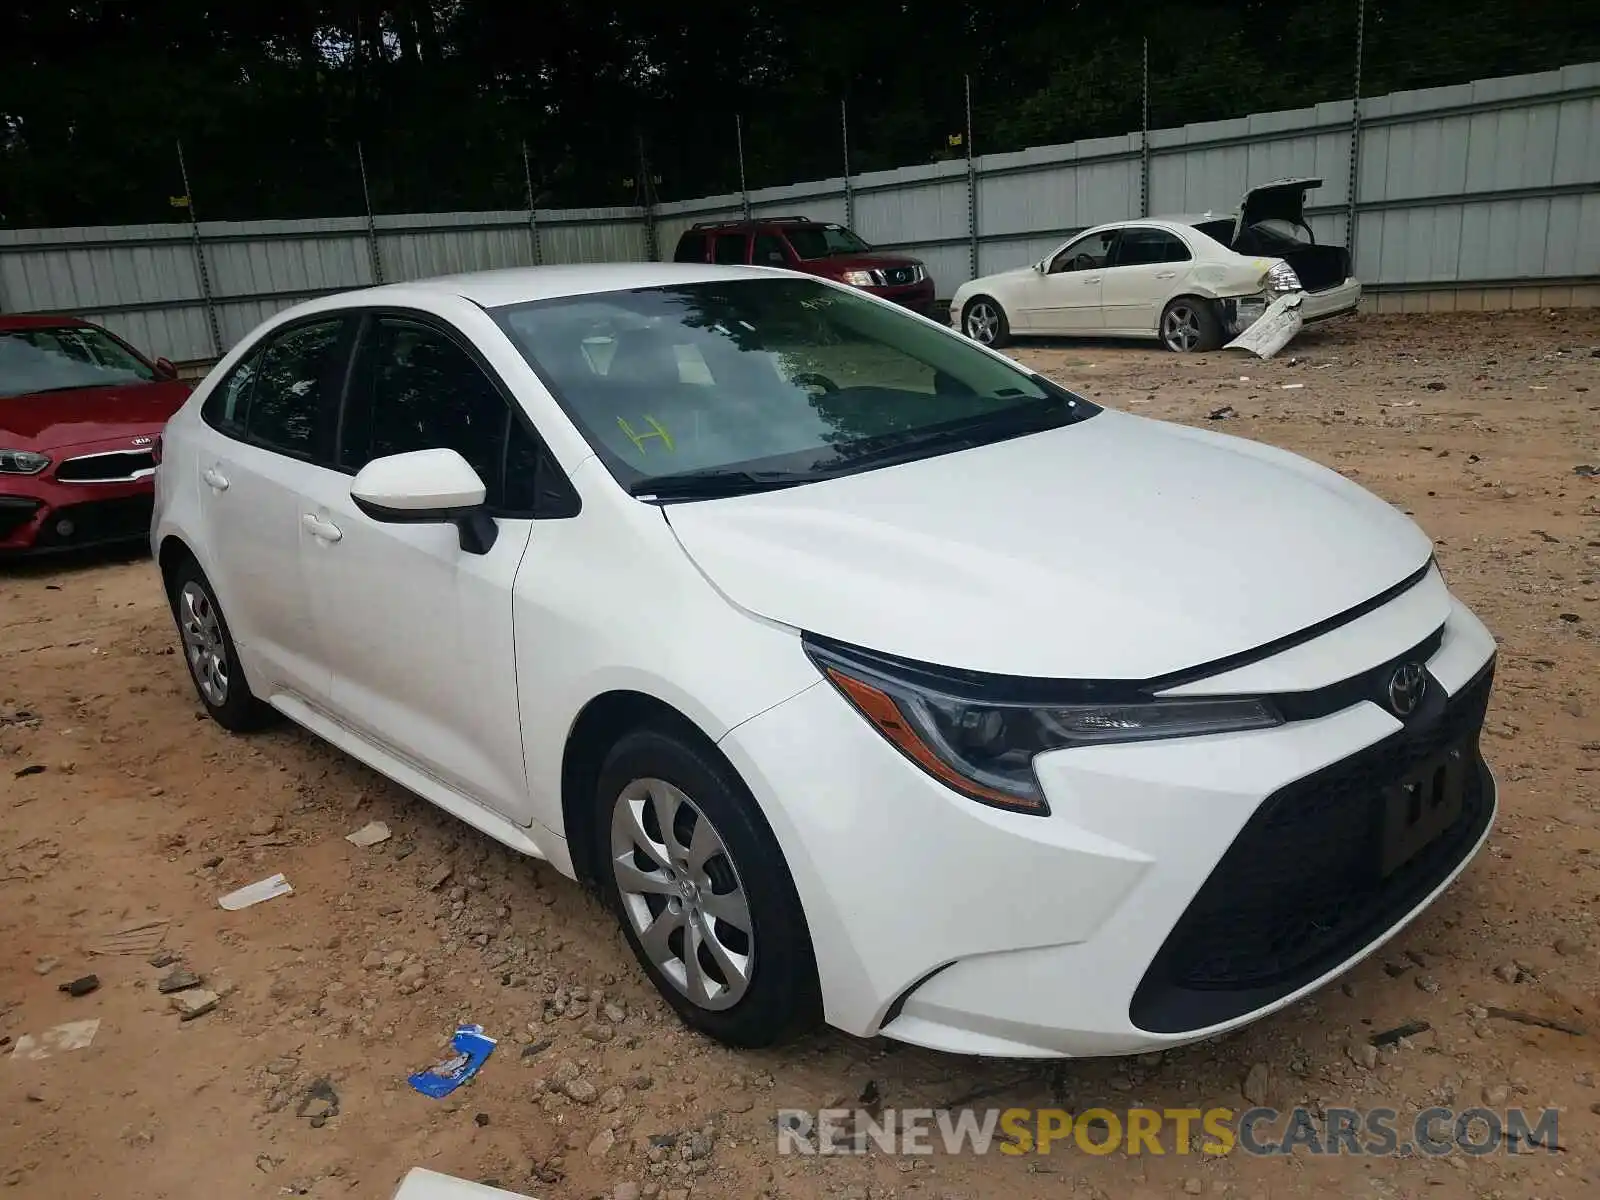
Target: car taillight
x=155 y=451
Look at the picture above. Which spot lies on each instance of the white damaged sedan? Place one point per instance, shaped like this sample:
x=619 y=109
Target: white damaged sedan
x=867 y=675
x=1190 y=282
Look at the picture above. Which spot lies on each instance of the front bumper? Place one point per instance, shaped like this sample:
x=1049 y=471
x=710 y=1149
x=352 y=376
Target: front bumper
x=56 y=517
x=96 y=493
x=916 y=296
x=1159 y=903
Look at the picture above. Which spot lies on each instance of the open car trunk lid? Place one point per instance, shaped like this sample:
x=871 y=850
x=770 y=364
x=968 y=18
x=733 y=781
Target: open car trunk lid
x=1319 y=267
x=1280 y=200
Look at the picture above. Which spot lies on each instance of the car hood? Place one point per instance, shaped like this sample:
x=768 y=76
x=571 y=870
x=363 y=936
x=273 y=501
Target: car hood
x=51 y=420
x=1117 y=548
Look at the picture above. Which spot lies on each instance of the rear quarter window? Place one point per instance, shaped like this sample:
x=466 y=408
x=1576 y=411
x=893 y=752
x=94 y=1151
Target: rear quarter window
x=691 y=248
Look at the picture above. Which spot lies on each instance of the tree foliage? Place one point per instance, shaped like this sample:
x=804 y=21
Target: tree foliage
x=270 y=98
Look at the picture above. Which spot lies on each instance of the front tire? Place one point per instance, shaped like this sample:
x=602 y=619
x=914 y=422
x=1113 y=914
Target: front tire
x=1189 y=325
x=984 y=321
x=209 y=652
x=702 y=892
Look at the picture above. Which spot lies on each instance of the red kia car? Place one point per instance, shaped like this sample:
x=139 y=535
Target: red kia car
x=814 y=247
x=81 y=414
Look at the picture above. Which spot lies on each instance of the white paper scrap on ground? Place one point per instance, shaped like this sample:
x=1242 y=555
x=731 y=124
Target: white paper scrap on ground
x=421 y=1184
x=74 y=1035
x=1273 y=329
x=255 y=893
x=369 y=834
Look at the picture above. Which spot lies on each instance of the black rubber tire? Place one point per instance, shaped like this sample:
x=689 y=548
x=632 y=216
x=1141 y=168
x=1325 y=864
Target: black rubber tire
x=784 y=999
x=1209 y=320
x=1002 y=333
x=240 y=711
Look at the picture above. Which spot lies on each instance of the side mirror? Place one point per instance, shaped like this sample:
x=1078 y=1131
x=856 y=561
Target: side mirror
x=427 y=487
x=165 y=369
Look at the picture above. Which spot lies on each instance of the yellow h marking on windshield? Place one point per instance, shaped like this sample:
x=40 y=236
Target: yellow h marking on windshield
x=639 y=439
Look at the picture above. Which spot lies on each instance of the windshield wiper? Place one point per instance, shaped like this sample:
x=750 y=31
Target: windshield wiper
x=710 y=484
x=976 y=431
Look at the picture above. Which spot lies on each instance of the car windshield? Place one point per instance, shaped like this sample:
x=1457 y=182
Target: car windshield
x=824 y=241
x=744 y=383
x=60 y=358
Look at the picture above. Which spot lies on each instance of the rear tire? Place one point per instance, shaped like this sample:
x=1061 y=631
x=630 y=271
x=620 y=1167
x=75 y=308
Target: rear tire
x=984 y=321
x=209 y=652
x=1190 y=325
x=702 y=892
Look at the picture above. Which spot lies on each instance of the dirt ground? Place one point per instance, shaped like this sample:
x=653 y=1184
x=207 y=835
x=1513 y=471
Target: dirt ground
x=144 y=811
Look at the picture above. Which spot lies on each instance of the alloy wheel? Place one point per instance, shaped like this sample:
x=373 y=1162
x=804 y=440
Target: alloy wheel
x=203 y=642
x=1180 y=328
x=983 y=322
x=682 y=894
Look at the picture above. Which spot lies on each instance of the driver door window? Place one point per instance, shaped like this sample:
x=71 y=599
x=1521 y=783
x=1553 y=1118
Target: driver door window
x=418 y=391
x=1086 y=254
x=1066 y=299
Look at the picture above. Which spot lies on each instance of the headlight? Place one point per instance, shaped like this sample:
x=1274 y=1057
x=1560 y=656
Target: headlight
x=1281 y=278
x=984 y=748
x=22 y=462
x=858 y=278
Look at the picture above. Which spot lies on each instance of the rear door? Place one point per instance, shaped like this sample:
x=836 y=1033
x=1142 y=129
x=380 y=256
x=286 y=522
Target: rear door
x=1147 y=269
x=273 y=423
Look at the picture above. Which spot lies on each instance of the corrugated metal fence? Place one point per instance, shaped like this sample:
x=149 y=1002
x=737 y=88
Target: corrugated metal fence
x=1482 y=195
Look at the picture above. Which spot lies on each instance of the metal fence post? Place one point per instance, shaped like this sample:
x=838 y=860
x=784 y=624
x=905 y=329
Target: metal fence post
x=1355 y=135
x=533 y=215
x=744 y=192
x=849 y=192
x=972 y=191
x=648 y=203
x=1144 y=136
x=200 y=256
x=372 y=228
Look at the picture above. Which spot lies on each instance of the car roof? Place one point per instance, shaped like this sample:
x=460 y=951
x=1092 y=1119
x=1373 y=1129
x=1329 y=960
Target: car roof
x=1204 y=218
x=41 y=321
x=520 y=285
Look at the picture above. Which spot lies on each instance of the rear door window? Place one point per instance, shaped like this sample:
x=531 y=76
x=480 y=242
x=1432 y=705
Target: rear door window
x=731 y=248
x=1145 y=247
x=294 y=401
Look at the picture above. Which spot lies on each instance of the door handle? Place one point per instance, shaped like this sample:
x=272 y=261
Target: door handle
x=327 y=531
x=1166 y=275
x=1087 y=282
x=215 y=479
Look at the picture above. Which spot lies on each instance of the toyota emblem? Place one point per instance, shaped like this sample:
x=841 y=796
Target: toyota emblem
x=1406 y=688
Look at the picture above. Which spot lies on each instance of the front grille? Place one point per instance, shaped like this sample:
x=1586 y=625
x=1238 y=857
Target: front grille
x=117 y=466
x=126 y=519
x=899 y=276
x=1300 y=889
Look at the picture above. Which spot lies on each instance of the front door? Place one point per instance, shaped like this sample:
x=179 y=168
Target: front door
x=1065 y=298
x=419 y=631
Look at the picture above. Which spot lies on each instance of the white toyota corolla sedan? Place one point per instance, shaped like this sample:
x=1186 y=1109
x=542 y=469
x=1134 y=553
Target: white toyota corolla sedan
x=868 y=675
